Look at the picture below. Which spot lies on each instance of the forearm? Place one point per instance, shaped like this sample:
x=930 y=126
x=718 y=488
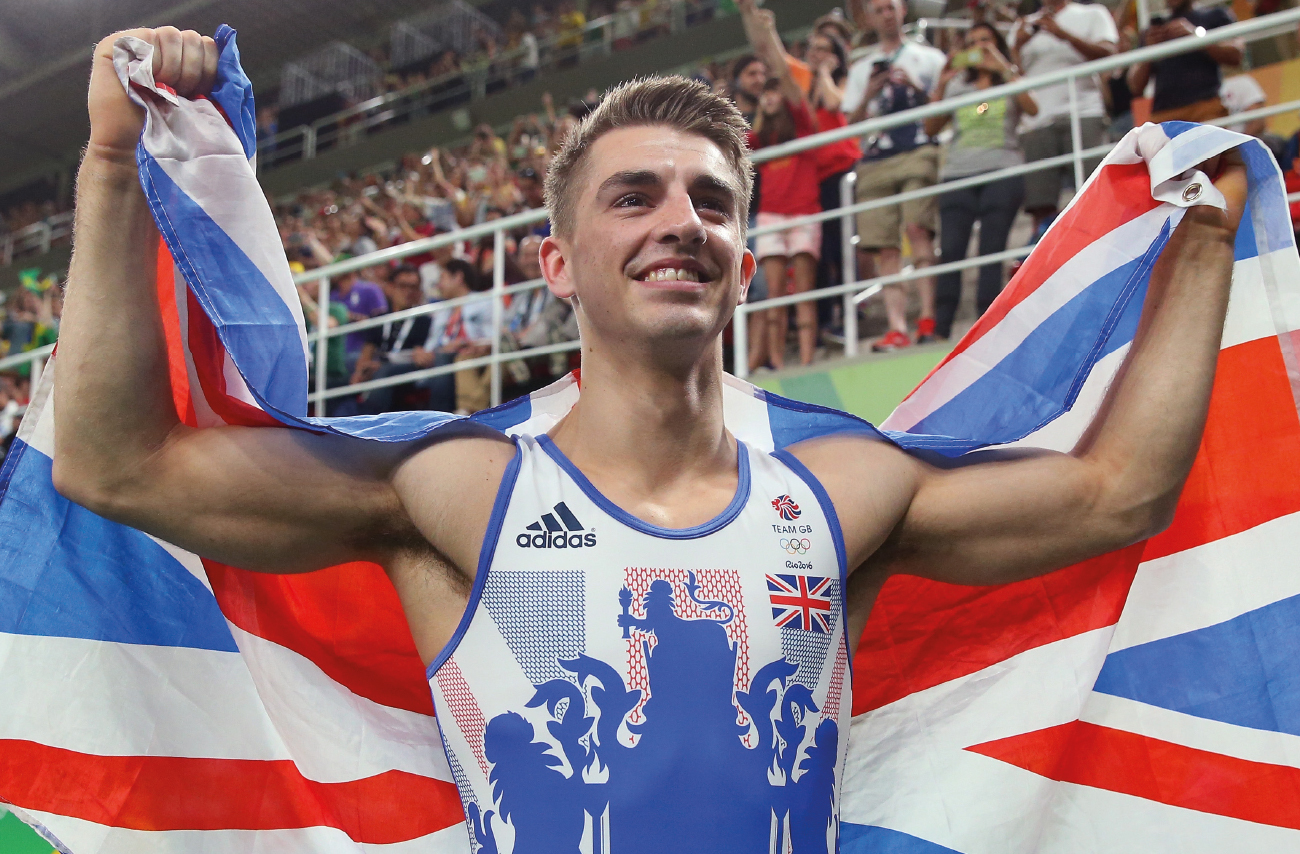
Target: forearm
x=1226 y=53
x=1138 y=76
x=1092 y=50
x=1148 y=431
x=113 y=402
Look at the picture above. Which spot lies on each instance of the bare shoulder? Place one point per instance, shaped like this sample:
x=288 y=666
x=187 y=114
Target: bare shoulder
x=870 y=482
x=448 y=488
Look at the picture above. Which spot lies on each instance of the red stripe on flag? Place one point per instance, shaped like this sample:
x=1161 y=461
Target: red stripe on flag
x=1173 y=774
x=1121 y=193
x=346 y=619
x=924 y=633
x=179 y=374
x=1245 y=472
x=178 y=793
x=210 y=367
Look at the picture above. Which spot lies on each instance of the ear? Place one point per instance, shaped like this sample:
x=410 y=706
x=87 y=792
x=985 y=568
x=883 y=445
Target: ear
x=747 y=268
x=555 y=268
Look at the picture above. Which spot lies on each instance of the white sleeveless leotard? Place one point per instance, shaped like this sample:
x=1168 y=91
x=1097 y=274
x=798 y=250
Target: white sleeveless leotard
x=618 y=687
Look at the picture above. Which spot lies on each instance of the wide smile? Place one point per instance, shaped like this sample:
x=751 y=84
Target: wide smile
x=687 y=275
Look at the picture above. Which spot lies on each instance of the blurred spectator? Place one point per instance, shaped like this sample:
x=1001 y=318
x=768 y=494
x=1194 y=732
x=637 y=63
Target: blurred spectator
x=790 y=191
x=1186 y=85
x=568 y=41
x=1241 y=93
x=983 y=140
x=1062 y=34
x=336 y=356
x=397 y=347
x=360 y=300
x=460 y=333
x=821 y=79
x=892 y=76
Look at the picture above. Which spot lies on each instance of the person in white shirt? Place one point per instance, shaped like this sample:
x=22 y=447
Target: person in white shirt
x=893 y=76
x=1240 y=93
x=1062 y=34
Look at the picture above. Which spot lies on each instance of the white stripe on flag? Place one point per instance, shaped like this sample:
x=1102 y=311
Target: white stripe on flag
x=1104 y=255
x=1211 y=583
x=333 y=734
x=85 y=837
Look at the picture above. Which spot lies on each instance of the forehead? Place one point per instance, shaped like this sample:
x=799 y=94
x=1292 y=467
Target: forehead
x=670 y=153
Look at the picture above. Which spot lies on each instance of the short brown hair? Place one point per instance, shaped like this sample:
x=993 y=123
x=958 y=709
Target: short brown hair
x=686 y=105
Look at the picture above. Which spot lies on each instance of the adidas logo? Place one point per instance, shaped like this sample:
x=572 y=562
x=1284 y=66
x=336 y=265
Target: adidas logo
x=549 y=533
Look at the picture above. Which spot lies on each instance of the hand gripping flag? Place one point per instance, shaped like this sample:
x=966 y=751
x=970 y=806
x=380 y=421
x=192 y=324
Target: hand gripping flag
x=1142 y=701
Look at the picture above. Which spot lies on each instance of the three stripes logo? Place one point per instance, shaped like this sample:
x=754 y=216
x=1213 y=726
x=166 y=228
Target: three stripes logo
x=557 y=530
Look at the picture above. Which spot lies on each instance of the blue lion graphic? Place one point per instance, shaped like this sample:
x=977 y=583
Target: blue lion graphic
x=689 y=777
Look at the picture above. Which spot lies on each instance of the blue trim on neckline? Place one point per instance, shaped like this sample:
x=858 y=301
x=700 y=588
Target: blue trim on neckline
x=837 y=536
x=485 y=555
x=717 y=523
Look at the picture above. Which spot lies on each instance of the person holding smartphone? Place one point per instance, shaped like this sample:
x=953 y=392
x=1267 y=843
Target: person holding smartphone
x=896 y=74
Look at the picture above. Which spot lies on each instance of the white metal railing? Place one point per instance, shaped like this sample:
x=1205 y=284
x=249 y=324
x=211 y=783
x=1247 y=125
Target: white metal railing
x=480 y=77
x=37 y=236
x=853 y=291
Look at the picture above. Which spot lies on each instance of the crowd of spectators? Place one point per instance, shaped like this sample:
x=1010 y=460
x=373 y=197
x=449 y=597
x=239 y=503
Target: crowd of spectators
x=549 y=33
x=795 y=92
x=785 y=91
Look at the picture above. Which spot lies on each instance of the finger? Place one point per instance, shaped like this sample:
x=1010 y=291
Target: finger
x=191 y=71
x=210 y=57
x=167 y=56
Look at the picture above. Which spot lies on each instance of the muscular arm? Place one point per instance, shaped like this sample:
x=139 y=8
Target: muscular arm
x=1011 y=518
x=261 y=498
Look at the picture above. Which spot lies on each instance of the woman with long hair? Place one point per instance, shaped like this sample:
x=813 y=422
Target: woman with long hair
x=984 y=140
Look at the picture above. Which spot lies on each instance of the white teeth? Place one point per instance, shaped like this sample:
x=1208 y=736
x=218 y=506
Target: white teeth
x=672 y=274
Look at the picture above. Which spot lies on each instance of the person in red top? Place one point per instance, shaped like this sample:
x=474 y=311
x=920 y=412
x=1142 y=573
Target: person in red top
x=790 y=190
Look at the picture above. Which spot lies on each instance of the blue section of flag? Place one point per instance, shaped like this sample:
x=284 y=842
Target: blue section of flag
x=1244 y=671
x=793 y=421
x=1042 y=377
x=233 y=91
x=65 y=572
x=869 y=839
x=255 y=326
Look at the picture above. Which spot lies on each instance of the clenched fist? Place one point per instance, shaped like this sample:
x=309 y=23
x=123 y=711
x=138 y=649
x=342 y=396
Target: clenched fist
x=185 y=61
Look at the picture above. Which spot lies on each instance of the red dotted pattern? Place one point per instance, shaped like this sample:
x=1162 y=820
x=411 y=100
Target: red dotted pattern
x=464 y=708
x=722 y=585
x=831 y=708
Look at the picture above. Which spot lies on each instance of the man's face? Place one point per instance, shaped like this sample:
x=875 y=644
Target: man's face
x=656 y=255
x=451 y=285
x=405 y=289
x=751 y=79
x=887 y=17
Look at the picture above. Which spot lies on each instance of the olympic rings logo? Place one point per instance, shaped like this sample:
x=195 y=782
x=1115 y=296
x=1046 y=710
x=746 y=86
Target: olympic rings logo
x=796 y=546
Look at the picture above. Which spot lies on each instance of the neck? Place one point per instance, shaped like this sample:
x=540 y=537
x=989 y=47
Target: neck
x=891 y=43
x=649 y=424
x=1055 y=5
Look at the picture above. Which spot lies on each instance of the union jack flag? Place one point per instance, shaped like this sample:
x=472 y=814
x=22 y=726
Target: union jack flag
x=785 y=505
x=801 y=602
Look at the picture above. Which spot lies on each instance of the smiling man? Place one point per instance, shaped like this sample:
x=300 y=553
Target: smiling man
x=636 y=627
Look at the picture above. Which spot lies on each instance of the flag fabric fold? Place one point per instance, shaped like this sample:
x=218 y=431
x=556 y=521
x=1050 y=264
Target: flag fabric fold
x=1141 y=701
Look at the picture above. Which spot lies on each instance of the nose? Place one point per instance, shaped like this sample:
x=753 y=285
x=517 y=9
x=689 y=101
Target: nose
x=678 y=221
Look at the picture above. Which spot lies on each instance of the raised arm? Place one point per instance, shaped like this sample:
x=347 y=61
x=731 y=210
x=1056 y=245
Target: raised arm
x=1011 y=518
x=261 y=498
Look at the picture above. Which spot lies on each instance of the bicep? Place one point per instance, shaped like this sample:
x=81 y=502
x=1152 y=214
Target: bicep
x=1001 y=518
x=268 y=499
